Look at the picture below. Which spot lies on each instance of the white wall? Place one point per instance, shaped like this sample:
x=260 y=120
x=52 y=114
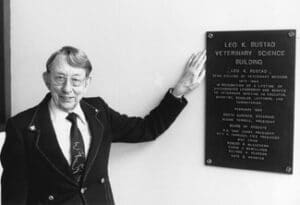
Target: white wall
x=138 y=49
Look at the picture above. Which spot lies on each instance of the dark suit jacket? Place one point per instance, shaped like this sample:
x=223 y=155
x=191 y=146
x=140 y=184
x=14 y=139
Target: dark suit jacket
x=35 y=170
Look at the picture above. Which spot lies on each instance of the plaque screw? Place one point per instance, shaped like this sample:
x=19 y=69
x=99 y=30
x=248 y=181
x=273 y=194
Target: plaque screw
x=210 y=35
x=291 y=34
x=209 y=161
x=288 y=169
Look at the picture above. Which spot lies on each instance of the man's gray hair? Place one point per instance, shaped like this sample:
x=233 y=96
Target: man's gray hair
x=74 y=57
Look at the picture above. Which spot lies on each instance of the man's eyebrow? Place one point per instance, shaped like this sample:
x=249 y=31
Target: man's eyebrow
x=76 y=75
x=59 y=73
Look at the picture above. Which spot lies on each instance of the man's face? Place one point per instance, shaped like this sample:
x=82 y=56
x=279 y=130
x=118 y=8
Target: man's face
x=67 y=84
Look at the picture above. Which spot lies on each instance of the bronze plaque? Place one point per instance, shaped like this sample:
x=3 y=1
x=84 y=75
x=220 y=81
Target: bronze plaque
x=250 y=99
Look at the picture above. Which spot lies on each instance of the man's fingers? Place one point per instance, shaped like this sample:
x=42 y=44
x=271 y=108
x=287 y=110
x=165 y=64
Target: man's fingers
x=200 y=64
x=201 y=76
x=189 y=62
x=198 y=58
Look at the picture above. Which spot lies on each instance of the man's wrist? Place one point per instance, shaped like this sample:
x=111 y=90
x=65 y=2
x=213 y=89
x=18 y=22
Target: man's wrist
x=176 y=95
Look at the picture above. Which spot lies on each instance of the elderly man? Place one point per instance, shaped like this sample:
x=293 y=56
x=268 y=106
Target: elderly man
x=57 y=152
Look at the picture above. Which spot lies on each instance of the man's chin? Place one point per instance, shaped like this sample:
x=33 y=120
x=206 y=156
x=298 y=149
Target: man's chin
x=67 y=107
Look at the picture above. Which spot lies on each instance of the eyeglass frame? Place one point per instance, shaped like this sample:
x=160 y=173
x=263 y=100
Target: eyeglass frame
x=79 y=83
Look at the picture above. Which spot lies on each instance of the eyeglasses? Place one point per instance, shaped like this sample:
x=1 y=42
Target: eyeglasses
x=61 y=80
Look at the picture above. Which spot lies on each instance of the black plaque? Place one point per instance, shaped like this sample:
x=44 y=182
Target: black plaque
x=250 y=99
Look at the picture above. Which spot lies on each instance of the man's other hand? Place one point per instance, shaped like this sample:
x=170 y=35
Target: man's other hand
x=192 y=76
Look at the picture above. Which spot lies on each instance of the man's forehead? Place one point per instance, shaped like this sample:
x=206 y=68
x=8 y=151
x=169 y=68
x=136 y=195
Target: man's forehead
x=60 y=64
x=59 y=60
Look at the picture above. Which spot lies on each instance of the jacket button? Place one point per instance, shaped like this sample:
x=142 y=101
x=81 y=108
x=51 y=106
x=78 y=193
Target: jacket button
x=83 y=190
x=51 y=197
x=32 y=128
x=102 y=180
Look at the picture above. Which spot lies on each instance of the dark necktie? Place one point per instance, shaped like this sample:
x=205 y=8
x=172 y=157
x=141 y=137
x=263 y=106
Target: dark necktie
x=77 y=149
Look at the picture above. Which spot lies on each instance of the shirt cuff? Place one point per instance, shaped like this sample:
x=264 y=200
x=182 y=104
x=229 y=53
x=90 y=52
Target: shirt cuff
x=180 y=98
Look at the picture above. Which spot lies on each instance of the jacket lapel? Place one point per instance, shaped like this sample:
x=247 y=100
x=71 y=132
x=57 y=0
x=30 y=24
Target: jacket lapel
x=47 y=144
x=46 y=141
x=96 y=129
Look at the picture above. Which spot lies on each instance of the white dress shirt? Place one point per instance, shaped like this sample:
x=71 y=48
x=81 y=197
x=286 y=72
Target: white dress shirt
x=62 y=128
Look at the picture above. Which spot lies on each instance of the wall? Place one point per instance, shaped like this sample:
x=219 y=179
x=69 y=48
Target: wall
x=138 y=49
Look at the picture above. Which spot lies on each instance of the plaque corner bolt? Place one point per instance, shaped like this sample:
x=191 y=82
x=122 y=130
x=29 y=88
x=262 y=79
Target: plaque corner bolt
x=209 y=161
x=210 y=35
x=291 y=34
x=288 y=169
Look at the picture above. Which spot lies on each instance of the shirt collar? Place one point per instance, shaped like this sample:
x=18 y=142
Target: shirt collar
x=58 y=114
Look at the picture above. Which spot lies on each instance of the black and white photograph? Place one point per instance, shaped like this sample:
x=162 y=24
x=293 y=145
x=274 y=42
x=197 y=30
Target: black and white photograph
x=138 y=102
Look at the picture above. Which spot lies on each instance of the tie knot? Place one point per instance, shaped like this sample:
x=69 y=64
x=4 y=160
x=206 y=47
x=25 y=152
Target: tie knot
x=72 y=117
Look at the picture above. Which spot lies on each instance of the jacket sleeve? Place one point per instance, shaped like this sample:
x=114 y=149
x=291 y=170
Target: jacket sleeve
x=137 y=129
x=14 y=181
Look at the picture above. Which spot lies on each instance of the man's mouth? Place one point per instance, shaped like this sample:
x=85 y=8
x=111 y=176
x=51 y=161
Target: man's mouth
x=66 y=98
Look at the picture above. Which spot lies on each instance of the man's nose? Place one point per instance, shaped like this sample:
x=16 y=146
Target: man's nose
x=67 y=86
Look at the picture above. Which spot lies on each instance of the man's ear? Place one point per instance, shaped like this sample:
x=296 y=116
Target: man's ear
x=88 y=81
x=46 y=78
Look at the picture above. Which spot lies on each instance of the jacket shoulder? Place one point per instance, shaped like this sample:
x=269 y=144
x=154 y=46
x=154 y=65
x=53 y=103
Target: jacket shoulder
x=23 y=118
x=96 y=102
